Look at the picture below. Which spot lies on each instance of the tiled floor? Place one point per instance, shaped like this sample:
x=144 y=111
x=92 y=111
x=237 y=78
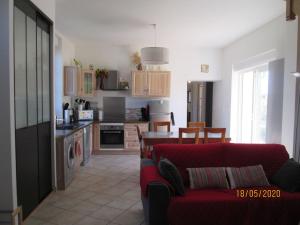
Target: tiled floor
x=105 y=192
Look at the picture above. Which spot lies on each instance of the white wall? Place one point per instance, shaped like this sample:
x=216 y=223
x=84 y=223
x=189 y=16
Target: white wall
x=64 y=55
x=279 y=36
x=47 y=7
x=185 y=64
x=8 y=192
x=289 y=91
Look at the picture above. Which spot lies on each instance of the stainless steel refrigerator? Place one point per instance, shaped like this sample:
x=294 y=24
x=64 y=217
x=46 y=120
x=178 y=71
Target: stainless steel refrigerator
x=199 y=102
x=159 y=110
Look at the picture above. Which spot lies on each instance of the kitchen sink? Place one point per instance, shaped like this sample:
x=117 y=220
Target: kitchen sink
x=68 y=126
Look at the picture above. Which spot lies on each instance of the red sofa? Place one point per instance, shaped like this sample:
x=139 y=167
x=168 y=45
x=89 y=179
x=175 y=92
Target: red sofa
x=215 y=206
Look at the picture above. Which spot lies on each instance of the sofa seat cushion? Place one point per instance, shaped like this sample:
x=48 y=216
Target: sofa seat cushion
x=222 y=206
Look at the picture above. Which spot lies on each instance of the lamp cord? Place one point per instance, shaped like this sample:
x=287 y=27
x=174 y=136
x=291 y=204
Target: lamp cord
x=155 y=36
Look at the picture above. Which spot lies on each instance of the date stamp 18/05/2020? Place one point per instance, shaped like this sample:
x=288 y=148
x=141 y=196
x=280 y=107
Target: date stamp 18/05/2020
x=258 y=193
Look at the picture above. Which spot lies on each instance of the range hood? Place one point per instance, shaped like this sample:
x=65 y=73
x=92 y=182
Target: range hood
x=112 y=81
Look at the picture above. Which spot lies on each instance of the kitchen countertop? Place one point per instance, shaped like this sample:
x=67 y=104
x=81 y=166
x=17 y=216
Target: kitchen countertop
x=126 y=121
x=136 y=121
x=65 y=133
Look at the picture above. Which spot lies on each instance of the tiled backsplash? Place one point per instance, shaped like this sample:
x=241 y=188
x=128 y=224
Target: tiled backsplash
x=133 y=114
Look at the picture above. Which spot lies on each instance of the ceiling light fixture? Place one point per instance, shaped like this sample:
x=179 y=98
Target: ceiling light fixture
x=154 y=55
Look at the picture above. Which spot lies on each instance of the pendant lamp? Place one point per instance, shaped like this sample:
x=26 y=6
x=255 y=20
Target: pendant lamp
x=154 y=55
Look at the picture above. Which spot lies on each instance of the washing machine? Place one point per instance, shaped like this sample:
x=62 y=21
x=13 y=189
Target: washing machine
x=65 y=162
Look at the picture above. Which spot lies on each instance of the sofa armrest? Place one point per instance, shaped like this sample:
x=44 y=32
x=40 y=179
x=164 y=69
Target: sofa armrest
x=149 y=174
x=156 y=194
x=156 y=204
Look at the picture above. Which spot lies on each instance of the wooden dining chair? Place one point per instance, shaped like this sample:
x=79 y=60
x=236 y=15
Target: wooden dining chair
x=189 y=130
x=162 y=124
x=143 y=151
x=210 y=130
x=198 y=124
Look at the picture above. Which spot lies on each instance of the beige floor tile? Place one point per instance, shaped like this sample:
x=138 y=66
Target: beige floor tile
x=66 y=218
x=106 y=191
x=83 y=195
x=132 y=194
x=67 y=202
x=46 y=212
x=91 y=221
x=85 y=208
x=116 y=190
x=106 y=213
x=102 y=199
x=129 y=218
x=34 y=221
x=122 y=203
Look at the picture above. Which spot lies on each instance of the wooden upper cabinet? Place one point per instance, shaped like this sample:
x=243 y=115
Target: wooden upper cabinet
x=159 y=84
x=86 y=83
x=79 y=82
x=151 y=83
x=139 y=83
x=70 y=80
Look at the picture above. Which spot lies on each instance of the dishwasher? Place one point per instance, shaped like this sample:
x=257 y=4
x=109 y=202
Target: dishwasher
x=87 y=145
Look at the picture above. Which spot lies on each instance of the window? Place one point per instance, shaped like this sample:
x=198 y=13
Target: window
x=249 y=105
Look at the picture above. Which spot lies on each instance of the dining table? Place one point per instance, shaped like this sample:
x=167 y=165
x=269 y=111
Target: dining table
x=151 y=138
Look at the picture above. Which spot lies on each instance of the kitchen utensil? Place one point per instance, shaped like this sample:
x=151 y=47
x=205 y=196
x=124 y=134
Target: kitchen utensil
x=66 y=106
x=67 y=114
x=87 y=105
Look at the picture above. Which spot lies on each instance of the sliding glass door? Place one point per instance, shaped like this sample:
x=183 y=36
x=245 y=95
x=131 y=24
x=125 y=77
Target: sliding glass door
x=249 y=105
x=32 y=105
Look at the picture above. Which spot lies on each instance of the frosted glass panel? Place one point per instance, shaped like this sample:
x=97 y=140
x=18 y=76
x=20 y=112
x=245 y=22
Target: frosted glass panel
x=20 y=69
x=39 y=75
x=88 y=83
x=46 y=79
x=31 y=72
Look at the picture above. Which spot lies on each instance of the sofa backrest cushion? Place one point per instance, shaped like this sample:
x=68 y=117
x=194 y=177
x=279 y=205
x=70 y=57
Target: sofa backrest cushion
x=270 y=156
x=191 y=156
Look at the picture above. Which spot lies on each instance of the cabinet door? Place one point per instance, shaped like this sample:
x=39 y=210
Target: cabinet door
x=139 y=83
x=96 y=137
x=88 y=83
x=91 y=138
x=159 y=83
x=70 y=81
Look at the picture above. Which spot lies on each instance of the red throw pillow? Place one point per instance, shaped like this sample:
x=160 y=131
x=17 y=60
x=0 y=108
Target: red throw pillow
x=208 y=177
x=250 y=176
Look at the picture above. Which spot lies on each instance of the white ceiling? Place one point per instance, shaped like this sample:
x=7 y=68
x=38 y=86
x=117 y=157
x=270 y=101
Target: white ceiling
x=205 y=23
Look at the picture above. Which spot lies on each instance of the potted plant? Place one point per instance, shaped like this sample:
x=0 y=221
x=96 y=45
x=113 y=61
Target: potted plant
x=136 y=60
x=101 y=74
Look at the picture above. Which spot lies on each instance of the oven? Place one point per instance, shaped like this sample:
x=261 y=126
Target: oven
x=111 y=135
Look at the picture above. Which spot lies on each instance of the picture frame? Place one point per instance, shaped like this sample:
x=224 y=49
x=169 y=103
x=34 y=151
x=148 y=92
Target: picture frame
x=204 y=68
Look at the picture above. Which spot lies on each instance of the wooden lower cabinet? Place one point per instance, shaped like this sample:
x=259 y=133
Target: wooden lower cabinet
x=96 y=137
x=131 y=140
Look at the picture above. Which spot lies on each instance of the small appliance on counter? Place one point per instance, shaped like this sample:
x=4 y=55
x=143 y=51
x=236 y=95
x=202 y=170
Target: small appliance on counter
x=85 y=115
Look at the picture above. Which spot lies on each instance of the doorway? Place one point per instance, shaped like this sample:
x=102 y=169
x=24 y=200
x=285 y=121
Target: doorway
x=199 y=102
